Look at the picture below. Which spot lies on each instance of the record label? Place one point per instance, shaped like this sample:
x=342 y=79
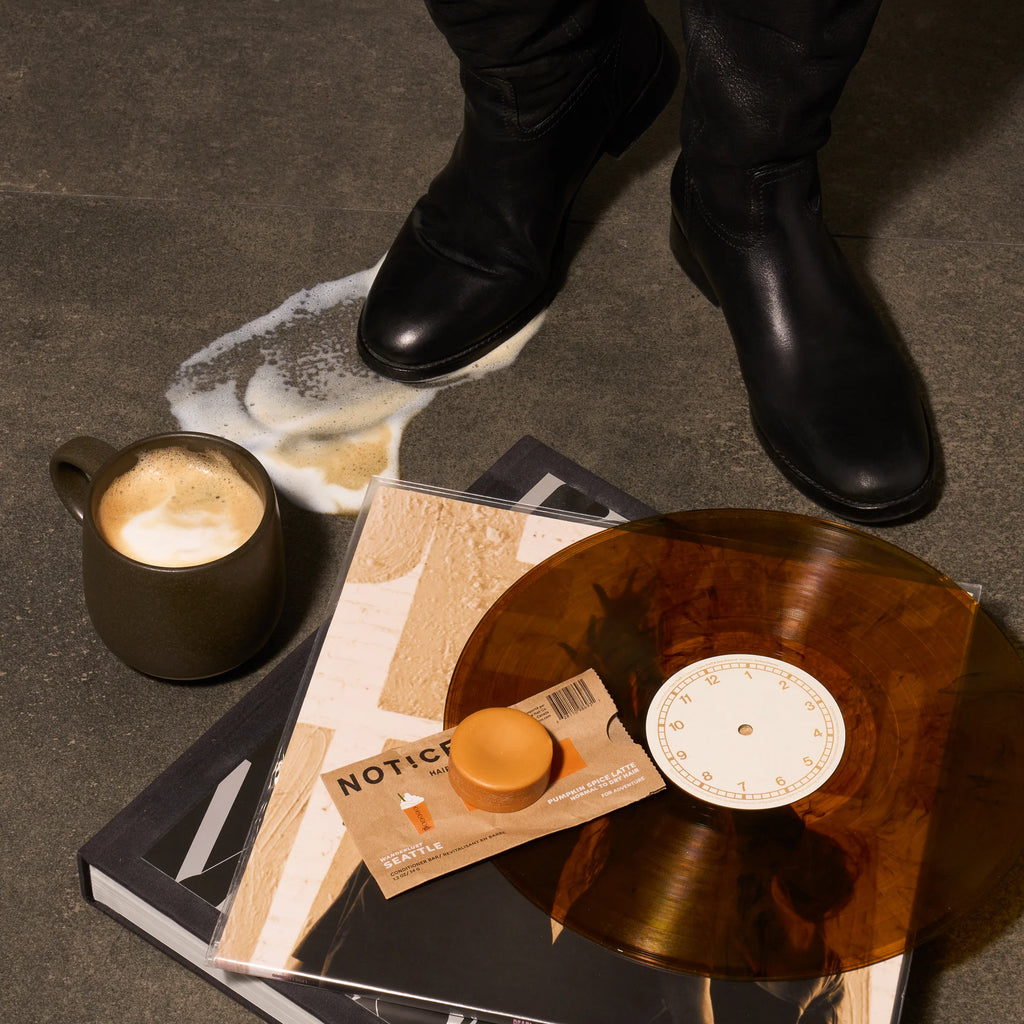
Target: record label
x=745 y=732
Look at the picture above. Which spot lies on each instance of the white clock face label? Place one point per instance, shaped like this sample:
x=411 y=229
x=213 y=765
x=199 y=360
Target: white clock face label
x=744 y=731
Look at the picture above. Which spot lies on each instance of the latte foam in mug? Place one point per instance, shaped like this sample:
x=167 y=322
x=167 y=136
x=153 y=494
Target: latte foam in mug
x=178 y=507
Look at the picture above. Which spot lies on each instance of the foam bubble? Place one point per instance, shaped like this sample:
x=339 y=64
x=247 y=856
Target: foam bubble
x=291 y=388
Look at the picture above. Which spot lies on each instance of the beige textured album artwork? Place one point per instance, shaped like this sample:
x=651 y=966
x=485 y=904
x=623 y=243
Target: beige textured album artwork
x=425 y=568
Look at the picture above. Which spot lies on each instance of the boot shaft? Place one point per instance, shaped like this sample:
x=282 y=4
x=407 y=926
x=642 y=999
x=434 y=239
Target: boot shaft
x=533 y=53
x=504 y=36
x=763 y=76
x=548 y=89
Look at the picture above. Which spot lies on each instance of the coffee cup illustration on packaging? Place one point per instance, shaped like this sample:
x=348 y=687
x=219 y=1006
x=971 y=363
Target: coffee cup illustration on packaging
x=182 y=550
x=417 y=812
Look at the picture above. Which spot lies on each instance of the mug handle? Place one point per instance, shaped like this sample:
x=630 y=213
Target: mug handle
x=72 y=467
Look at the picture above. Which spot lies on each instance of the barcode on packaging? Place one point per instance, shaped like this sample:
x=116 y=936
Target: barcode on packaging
x=571 y=699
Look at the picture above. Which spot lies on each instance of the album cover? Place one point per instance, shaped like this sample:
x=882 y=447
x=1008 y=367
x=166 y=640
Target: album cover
x=423 y=567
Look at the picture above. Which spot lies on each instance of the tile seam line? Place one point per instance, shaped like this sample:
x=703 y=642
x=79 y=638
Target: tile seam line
x=927 y=240
x=114 y=197
x=190 y=201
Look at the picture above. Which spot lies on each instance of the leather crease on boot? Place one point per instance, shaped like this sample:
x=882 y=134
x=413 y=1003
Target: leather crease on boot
x=478 y=257
x=833 y=398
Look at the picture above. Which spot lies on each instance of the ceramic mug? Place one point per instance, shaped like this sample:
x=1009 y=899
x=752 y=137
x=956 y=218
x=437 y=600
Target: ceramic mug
x=182 y=549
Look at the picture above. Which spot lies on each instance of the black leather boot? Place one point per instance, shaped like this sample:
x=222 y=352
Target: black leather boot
x=549 y=87
x=832 y=396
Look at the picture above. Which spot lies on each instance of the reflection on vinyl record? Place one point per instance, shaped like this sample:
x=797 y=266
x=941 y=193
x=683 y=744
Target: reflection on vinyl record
x=840 y=725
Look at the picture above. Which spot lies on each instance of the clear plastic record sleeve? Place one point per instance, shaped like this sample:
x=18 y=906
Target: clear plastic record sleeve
x=423 y=567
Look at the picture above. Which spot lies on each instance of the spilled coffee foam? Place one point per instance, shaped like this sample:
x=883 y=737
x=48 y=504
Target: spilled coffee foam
x=291 y=387
x=178 y=507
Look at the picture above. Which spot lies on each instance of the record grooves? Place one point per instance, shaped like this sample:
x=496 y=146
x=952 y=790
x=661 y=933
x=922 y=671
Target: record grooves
x=904 y=832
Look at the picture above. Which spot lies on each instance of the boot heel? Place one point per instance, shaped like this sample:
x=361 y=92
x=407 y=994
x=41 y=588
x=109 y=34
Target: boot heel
x=684 y=257
x=649 y=104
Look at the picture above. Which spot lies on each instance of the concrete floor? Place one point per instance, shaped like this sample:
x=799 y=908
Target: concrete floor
x=168 y=172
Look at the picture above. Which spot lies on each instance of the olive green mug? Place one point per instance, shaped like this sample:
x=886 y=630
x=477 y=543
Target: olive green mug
x=182 y=549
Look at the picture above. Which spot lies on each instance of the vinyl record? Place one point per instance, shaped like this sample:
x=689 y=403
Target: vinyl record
x=840 y=724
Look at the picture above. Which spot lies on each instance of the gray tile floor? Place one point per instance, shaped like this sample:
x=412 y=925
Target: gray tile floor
x=170 y=172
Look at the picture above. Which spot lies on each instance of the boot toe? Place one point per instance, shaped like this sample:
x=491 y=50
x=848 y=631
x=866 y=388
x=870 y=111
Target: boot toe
x=866 y=469
x=426 y=316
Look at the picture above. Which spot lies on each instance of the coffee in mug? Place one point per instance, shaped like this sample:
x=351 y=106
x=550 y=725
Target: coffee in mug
x=179 y=507
x=182 y=549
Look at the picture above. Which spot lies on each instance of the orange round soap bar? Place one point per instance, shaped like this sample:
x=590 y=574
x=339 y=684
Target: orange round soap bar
x=500 y=759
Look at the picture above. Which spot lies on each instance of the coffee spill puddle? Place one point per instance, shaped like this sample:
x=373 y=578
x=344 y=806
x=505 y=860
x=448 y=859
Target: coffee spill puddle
x=291 y=388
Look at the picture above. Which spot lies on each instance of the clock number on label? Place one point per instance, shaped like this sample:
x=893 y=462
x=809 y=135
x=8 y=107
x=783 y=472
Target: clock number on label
x=810 y=705
x=780 y=781
x=707 y=776
x=712 y=679
x=681 y=754
x=809 y=762
x=676 y=725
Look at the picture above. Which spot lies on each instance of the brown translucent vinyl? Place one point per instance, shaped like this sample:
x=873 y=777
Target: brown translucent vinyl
x=920 y=818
